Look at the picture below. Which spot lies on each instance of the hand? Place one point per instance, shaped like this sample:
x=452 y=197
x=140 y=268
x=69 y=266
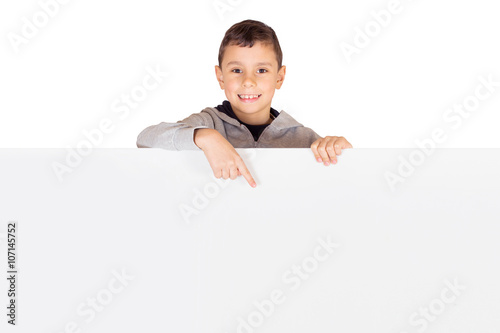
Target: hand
x=221 y=155
x=326 y=149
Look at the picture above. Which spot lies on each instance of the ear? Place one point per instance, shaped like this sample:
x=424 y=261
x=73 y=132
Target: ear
x=281 y=77
x=219 y=76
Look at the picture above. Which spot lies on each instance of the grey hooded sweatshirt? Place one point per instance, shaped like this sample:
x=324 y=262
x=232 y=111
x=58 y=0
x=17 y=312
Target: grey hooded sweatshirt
x=282 y=132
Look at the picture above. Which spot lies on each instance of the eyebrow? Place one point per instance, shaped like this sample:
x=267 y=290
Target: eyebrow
x=258 y=64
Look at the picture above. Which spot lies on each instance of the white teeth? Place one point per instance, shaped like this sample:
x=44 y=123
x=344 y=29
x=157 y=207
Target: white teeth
x=248 y=96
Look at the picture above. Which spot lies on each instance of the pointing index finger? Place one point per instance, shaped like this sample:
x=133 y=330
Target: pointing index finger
x=244 y=171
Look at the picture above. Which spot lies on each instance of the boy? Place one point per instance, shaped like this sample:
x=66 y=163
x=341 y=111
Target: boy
x=249 y=71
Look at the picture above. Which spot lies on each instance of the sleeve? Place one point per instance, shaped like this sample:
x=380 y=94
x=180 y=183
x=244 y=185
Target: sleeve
x=175 y=136
x=309 y=137
x=314 y=135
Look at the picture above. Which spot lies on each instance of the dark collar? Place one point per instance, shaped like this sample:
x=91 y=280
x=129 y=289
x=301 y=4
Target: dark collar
x=226 y=108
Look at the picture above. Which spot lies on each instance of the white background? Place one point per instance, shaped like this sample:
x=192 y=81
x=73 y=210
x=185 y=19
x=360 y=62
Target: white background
x=395 y=91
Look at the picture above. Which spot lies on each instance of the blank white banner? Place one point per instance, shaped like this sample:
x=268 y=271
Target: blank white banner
x=147 y=240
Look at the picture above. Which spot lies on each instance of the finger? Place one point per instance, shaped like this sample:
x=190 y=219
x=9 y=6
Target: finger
x=225 y=173
x=244 y=171
x=337 y=145
x=233 y=174
x=314 y=148
x=343 y=143
x=340 y=144
x=323 y=152
x=331 y=149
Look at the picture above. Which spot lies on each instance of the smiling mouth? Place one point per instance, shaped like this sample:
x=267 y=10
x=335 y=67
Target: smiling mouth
x=249 y=98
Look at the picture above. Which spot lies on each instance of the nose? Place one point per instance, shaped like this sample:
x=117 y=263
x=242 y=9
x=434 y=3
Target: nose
x=248 y=81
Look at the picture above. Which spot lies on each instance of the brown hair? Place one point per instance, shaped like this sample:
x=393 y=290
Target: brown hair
x=246 y=33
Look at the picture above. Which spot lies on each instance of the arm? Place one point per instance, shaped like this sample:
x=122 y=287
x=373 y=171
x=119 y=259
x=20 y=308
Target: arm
x=174 y=136
x=221 y=155
x=194 y=133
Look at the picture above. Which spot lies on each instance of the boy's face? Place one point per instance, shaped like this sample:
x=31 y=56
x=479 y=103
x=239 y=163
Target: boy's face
x=249 y=77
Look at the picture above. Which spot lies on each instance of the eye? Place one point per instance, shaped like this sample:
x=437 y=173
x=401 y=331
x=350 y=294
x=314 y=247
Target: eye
x=262 y=70
x=236 y=70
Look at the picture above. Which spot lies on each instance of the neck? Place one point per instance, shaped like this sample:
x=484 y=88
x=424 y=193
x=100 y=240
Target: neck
x=254 y=119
